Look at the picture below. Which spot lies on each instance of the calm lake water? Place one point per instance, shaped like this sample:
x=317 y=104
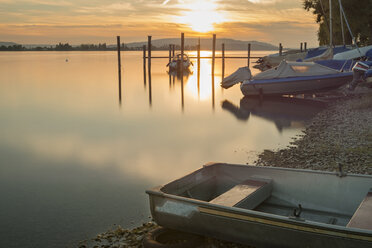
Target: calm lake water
x=74 y=161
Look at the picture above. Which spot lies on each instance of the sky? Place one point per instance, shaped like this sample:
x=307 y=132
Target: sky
x=98 y=21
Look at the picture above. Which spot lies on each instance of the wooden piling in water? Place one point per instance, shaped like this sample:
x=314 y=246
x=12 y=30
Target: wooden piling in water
x=144 y=53
x=144 y=65
x=149 y=67
x=305 y=46
x=149 y=52
x=213 y=53
x=198 y=53
x=223 y=60
x=249 y=54
x=173 y=50
x=280 y=49
x=301 y=47
x=119 y=66
x=170 y=53
x=182 y=52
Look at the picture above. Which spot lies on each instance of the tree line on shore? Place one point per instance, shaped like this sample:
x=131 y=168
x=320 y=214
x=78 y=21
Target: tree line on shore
x=87 y=47
x=359 y=14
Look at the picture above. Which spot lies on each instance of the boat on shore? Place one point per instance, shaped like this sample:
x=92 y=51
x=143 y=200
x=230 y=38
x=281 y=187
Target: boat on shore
x=291 y=78
x=179 y=63
x=268 y=206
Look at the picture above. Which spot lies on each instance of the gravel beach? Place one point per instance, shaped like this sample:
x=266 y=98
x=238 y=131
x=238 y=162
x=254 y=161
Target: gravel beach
x=339 y=136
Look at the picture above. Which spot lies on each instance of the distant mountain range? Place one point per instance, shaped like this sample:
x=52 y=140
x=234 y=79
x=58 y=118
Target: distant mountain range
x=206 y=44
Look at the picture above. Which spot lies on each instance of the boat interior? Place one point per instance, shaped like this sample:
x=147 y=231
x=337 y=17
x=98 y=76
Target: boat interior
x=321 y=197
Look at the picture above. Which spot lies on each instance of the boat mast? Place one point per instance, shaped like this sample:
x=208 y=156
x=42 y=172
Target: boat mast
x=330 y=24
x=351 y=33
x=342 y=25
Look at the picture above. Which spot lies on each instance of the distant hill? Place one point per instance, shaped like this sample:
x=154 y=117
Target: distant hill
x=5 y=43
x=205 y=44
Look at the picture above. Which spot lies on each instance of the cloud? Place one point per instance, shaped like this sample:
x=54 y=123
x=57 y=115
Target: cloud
x=138 y=18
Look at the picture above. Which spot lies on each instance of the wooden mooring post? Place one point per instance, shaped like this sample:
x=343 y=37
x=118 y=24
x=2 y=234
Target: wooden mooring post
x=173 y=50
x=198 y=52
x=213 y=53
x=280 y=49
x=119 y=66
x=301 y=49
x=249 y=54
x=182 y=52
x=149 y=67
x=305 y=46
x=170 y=53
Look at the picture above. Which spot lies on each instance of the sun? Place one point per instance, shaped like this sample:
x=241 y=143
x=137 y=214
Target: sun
x=200 y=16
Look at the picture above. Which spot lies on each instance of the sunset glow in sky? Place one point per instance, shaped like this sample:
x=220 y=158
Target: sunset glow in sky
x=94 y=21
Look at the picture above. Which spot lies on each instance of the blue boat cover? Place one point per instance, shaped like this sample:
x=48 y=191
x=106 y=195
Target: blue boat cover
x=369 y=54
x=346 y=65
x=320 y=50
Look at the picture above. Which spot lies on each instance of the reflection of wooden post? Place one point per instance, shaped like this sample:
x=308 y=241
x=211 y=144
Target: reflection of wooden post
x=170 y=53
x=144 y=65
x=249 y=53
x=213 y=60
x=301 y=47
x=198 y=55
x=280 y=49
x=213 y=53
x=182 y=94
x=119 y=66
x=305 y=45
x=182 y=52
x=223 y=60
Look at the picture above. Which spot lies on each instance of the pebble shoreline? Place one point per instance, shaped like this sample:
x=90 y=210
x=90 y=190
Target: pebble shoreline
x=339 y=135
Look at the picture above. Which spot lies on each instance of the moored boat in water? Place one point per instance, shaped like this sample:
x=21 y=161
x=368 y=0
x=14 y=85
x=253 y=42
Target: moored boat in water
x=268 y=206
x=180 y=63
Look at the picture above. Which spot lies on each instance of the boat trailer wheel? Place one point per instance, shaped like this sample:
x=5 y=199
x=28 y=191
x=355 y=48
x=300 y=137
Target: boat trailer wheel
x=167 y=238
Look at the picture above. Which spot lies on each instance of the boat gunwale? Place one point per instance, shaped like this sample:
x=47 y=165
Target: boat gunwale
x=367 y=234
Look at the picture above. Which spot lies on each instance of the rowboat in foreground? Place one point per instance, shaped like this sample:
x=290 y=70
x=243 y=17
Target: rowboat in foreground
x=268 y=206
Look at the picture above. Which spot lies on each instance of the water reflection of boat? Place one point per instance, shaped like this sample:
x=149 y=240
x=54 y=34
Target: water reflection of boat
x=178 y=74
x=178 y=63
x=268 y=207
x=283 y=111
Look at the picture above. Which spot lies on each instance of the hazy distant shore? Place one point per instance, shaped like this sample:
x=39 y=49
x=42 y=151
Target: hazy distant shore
x=156 y=45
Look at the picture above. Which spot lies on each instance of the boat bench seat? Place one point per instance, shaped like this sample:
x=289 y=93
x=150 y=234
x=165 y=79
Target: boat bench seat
x=248 y=194
x=362 y=216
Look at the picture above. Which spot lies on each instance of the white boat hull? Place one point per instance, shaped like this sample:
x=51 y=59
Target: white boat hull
x=286 y=87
